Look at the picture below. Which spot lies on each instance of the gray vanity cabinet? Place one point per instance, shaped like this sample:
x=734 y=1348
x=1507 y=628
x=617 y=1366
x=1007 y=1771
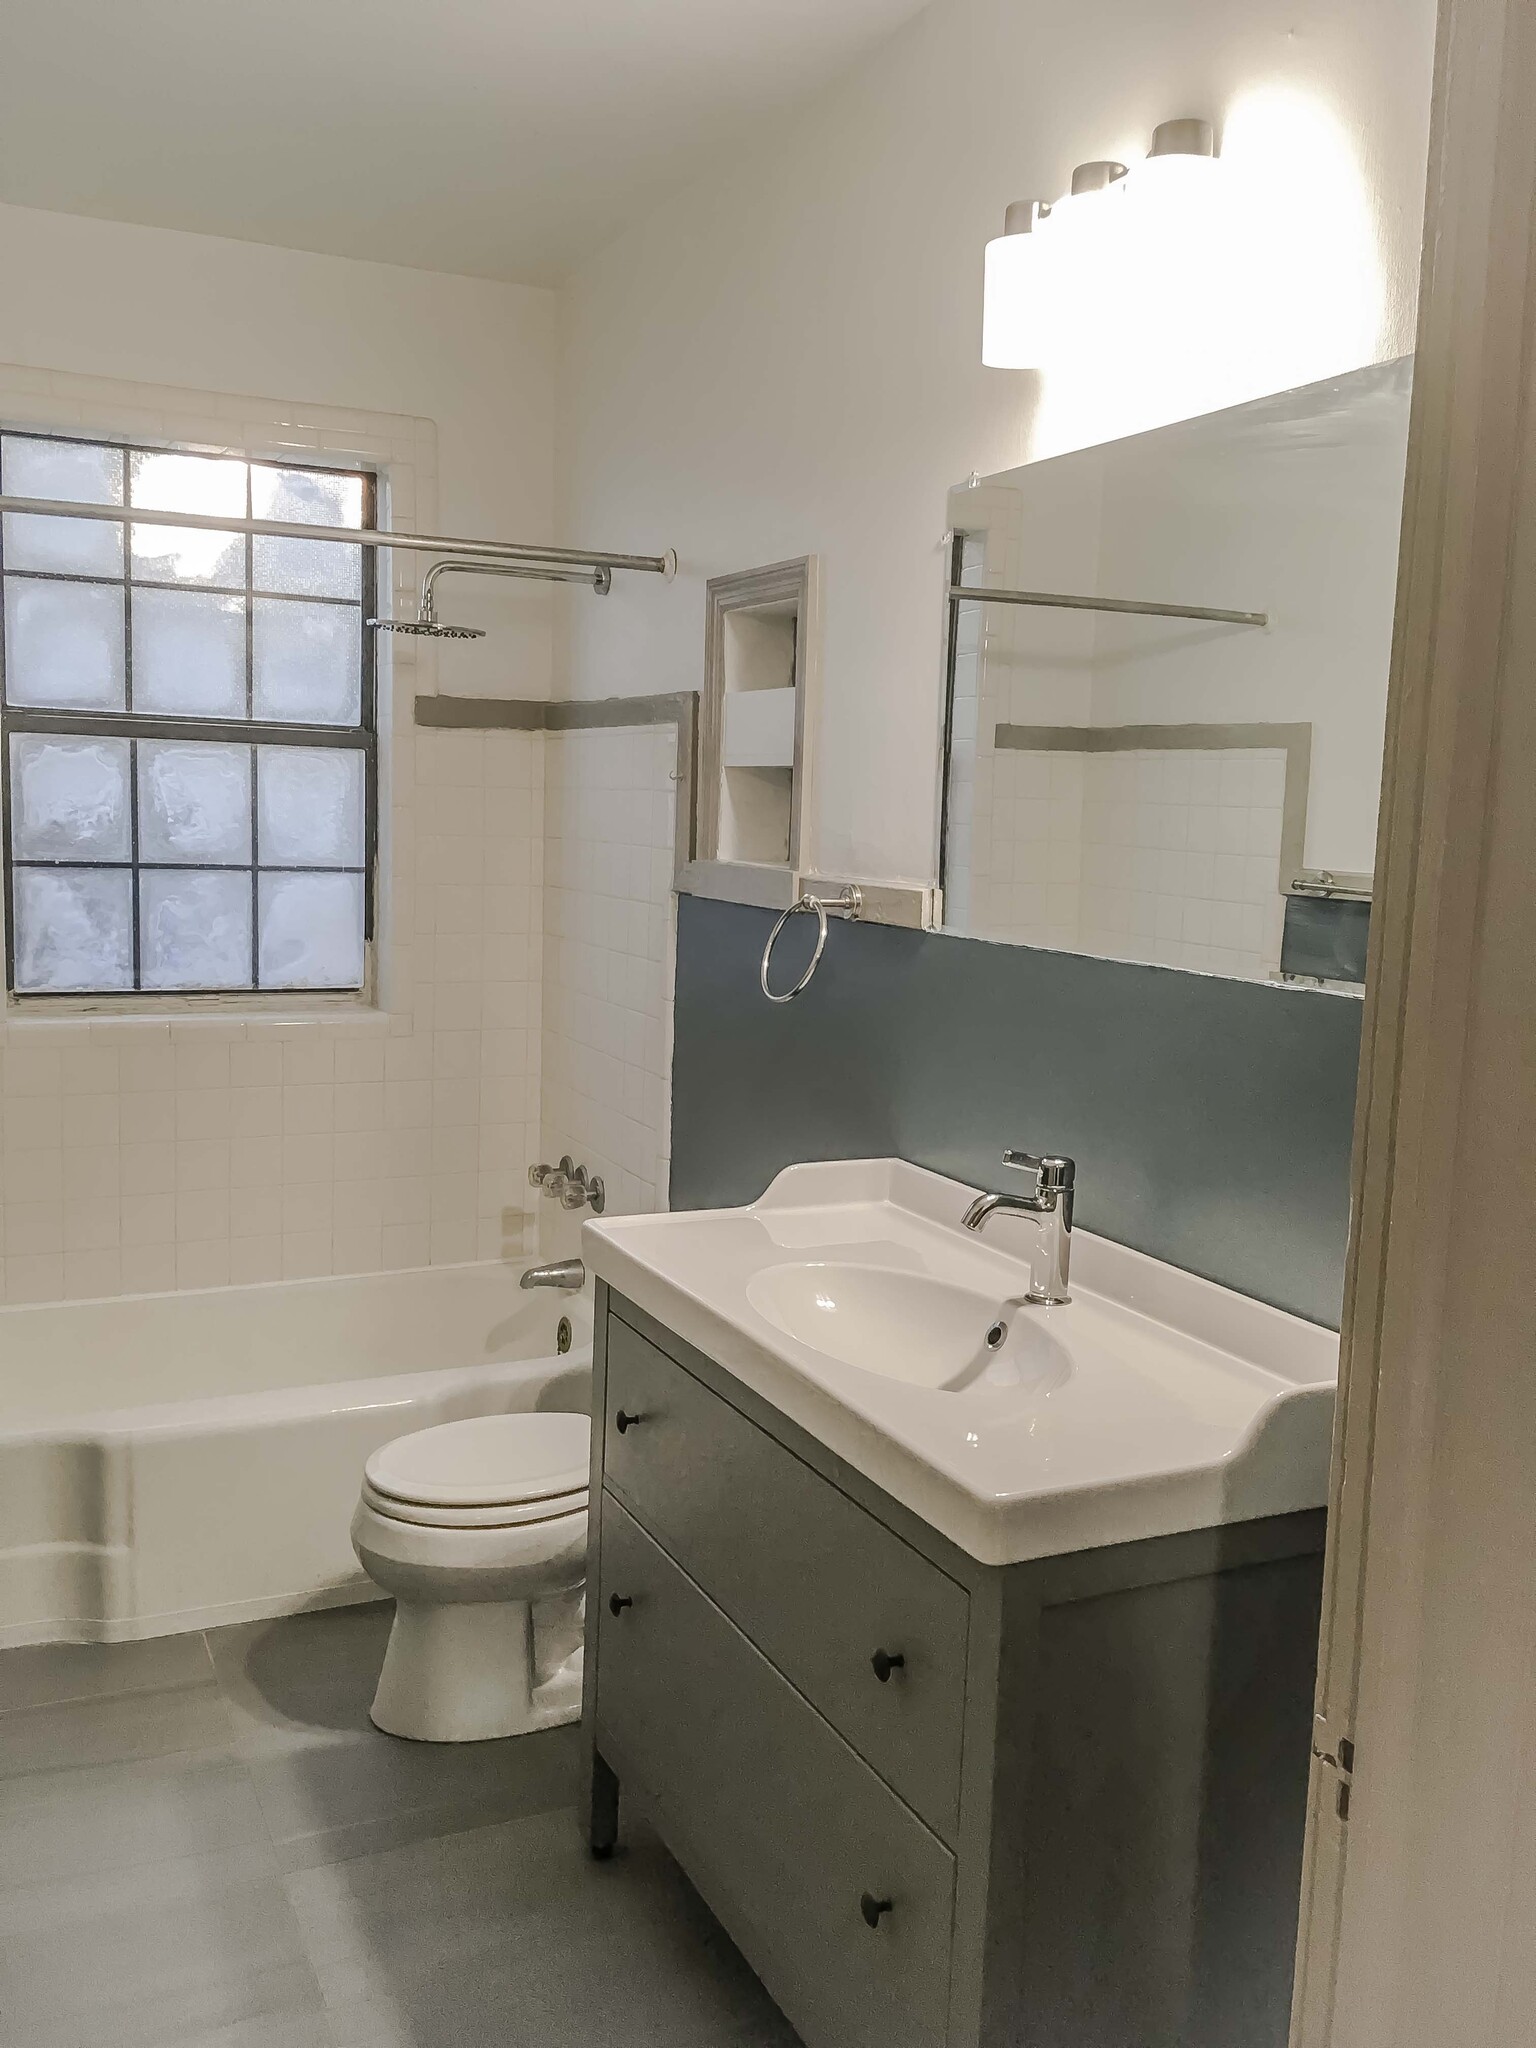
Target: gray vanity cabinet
x=936 y=1804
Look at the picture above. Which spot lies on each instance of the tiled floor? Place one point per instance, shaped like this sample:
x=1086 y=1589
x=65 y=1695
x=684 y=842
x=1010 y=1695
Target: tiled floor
x=204 y=1843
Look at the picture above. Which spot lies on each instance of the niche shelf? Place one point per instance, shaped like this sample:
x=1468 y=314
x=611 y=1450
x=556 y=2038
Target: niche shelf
x=755 y=712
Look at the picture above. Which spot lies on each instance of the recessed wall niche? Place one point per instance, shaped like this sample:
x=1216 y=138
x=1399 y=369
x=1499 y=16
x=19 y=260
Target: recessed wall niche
x=755 y=712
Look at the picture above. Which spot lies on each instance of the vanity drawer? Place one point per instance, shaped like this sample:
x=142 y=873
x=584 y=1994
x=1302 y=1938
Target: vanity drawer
x=822 y=1588
x=785 y=1831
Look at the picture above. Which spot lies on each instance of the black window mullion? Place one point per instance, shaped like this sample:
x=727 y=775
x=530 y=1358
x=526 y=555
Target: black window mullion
x=369 y=709
x=250 y=713
x=194 y=867
x=133 y=854
x=5 y=786
x=177 y=726
x=250 y=612
x=255 y=866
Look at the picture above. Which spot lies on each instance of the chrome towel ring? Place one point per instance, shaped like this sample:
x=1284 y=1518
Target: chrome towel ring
x=847 y=904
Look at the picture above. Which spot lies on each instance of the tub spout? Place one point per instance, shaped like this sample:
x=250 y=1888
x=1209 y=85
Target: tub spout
x=570 y=1273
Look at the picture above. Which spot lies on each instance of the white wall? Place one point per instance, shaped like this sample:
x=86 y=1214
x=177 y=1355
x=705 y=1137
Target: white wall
x=786 y=359
x=186 y=1151
x=106 y=300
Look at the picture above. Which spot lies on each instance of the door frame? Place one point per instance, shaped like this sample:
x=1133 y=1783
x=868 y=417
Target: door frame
x=1420 y=1880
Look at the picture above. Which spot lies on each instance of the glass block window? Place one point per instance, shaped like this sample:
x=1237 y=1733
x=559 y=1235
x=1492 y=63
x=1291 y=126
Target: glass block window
x=188 y=725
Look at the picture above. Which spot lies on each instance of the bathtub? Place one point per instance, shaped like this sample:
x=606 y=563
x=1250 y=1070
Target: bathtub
x=173 y=1461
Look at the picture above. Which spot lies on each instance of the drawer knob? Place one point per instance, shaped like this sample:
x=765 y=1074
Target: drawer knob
x=623 y=1421
x=617 y=1602
x=872 y=1909
x=883 y=1664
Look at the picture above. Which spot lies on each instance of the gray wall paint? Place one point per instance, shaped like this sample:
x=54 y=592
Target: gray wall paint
x=1210 y=1119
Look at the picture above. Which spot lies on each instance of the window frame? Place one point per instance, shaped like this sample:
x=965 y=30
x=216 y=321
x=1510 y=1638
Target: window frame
x=362 y=737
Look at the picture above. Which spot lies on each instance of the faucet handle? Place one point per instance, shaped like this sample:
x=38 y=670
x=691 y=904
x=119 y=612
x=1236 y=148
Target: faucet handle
x=1054 y=1171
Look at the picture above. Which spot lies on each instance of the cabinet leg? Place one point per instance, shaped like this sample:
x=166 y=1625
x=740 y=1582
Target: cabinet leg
x=602 y=1810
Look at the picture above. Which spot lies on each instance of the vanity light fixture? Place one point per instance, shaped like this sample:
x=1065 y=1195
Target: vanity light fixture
x=1054 y=260
x=1182 y=159
x=1015 y=296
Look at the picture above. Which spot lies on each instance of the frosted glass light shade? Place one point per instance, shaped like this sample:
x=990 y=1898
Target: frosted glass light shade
x=1015 y=302
x=1174 y=180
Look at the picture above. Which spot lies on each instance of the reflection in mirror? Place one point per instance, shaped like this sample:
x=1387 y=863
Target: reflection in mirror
x=1165 y=726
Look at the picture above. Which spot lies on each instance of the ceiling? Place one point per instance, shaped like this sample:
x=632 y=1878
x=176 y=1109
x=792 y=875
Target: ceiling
x=499 y=138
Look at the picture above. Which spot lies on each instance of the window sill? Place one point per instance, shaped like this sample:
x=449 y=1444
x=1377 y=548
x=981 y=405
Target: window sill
x=69 y=1019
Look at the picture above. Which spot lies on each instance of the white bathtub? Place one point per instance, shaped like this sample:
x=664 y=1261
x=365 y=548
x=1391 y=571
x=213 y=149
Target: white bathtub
x=171 y=1461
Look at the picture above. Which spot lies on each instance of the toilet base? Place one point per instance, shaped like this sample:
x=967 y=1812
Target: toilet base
x=468 y=1672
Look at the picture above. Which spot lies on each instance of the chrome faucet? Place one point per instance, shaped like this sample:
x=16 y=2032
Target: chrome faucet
x=569 y=1273
x=1051 y=1206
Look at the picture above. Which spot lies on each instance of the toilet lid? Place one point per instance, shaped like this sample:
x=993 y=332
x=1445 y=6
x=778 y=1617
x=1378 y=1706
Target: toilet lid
x=485 y=1461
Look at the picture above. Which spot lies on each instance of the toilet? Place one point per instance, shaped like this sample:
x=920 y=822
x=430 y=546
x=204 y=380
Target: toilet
x=479 y=1530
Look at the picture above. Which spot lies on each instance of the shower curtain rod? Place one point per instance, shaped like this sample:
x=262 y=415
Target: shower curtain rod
x=978 y=593
x=357 y=536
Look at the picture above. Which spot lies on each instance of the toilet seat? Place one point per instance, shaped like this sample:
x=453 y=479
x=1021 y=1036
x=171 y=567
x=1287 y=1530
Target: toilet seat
x=494 y=1515
x=487 y=1472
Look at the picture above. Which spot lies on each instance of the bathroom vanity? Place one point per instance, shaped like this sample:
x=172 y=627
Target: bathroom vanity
x=969 y=1676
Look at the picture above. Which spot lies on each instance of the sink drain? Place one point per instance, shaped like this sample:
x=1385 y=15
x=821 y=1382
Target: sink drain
x=563 y=1336
x=996 y=1335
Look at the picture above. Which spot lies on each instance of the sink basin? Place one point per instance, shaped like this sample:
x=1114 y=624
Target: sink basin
x=851 y=1298
x=908 y=1326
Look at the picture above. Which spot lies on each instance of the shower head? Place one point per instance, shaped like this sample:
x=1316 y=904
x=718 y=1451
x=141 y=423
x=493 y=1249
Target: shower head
x=428 y=629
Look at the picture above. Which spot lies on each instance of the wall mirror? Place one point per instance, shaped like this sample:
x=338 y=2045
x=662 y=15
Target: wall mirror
x=1165 y=699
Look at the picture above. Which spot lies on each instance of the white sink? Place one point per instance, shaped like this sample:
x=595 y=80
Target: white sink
x=851 y=1298
x=906 y=1326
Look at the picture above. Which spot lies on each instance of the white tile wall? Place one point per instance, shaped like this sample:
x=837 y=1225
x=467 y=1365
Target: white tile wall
x=1181 y=858
x=1165 y=855
x=610 y=822
x=189 y=1149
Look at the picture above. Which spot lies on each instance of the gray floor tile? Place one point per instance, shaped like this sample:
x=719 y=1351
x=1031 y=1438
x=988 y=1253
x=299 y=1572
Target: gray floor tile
x=170 y=1962
x=113 y=1729
x=246 y=1862
x=515 y=1935
x=311 y=2030
x=117 y=1816
x=304 y=1680
x=317 y=1791
x=396 y=1830
x=54 y=1905
x=50 y=1672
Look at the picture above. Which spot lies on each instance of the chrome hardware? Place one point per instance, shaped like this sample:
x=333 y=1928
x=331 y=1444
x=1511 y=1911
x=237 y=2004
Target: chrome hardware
x=570 y=1185
x=567 y=1273
x=1055 y=600
x=1051 y=1204
x=847 y=903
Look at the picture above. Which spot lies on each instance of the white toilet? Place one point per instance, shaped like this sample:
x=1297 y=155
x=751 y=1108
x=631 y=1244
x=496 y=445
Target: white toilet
x=479 y=1529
